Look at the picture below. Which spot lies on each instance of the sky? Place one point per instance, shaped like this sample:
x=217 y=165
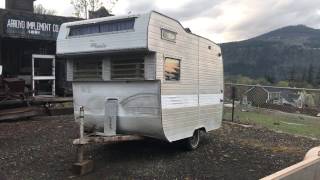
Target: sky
x=218 y=20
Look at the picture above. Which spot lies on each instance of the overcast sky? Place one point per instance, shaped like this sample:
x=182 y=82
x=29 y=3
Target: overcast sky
x=219 y=20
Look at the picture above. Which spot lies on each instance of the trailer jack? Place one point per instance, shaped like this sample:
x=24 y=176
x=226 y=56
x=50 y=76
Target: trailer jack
x=82 y=167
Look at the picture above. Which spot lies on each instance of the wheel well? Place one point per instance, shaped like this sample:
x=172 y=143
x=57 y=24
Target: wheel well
x=202 y=129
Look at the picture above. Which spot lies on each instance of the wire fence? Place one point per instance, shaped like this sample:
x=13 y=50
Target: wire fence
x=256 y=103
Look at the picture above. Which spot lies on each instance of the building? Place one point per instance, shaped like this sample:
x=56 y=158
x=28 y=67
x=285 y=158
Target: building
x=24 y=34
x=261 y=95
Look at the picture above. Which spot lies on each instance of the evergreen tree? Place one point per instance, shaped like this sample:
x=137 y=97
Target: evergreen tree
x=310 y=77
x=317 y=79
x=292 y=77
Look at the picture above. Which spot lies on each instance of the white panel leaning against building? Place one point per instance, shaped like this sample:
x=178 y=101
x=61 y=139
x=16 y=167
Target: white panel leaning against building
x=160 y=80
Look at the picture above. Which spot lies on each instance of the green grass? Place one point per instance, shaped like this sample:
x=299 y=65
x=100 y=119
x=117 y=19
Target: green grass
x=296 y=124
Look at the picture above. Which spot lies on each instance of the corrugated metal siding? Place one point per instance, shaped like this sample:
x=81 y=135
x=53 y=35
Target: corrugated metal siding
x=210 y=68
x=210 y=82
x=183 y=49
x=211 y=116
x=181 y=122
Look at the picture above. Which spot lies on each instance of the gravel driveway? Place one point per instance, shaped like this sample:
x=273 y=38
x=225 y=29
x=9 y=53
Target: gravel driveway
x=42 y=149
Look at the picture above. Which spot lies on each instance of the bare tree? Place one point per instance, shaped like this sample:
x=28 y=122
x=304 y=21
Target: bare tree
x=39 y=9
x=82 y=7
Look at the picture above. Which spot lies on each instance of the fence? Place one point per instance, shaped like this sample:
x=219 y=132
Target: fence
x=271 y=105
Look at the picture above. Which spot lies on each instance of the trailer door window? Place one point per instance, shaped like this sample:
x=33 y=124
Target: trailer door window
x=172 y=69
x=87 y=70
x=128 y=69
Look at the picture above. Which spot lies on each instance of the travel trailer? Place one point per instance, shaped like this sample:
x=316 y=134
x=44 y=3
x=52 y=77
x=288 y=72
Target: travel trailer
x=143 y=75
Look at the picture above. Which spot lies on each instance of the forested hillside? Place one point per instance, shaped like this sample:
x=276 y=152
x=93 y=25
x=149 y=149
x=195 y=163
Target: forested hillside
x=290 y=55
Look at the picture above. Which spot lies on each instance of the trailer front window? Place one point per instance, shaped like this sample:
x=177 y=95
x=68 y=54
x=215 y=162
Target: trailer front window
x=87 y=70
x=127 y=69
x=102 y=27
x=172 y=69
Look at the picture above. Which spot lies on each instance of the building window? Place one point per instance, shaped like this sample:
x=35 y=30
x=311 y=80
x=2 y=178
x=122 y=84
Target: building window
x=172 y=69
x=168 y=35
x=129 y=69
x=87 y=70
x=111 y=26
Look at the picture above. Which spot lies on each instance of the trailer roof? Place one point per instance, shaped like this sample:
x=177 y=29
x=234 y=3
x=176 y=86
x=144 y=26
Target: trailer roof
x=111 y=18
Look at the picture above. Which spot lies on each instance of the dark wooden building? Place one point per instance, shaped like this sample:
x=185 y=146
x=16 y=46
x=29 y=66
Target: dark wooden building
x=24 y=34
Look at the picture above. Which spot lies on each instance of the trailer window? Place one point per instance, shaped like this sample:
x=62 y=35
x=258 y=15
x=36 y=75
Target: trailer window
x=87 y=70
x=168 y=35
x=104 y=27
x=172 y=69
x=129 y=69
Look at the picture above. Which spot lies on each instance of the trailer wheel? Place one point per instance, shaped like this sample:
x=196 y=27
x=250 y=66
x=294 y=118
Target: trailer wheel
x=193 y=142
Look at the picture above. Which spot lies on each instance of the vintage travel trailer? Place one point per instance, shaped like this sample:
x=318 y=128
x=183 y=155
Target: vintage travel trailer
x=143 y=75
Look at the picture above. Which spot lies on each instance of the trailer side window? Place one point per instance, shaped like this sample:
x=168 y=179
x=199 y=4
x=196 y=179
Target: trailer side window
x=168 y=35
x=127 y=69
x=87 y=70
x=172 y=69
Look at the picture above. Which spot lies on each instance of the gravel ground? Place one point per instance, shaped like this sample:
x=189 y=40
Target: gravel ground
x=41 y=149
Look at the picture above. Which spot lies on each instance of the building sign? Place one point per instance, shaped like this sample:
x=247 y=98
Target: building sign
x=32 y=26
x=35 y=29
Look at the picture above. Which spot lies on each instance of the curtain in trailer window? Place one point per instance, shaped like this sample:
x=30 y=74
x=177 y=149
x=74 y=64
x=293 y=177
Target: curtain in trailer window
x=87 y=70
x=117 y=26
x=113 y=26
x=83 y=30
x=172 y=69
x=127 y=69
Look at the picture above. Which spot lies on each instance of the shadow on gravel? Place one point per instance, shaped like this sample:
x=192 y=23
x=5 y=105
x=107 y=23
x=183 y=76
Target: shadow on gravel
x=42 y=149
x=147 y=149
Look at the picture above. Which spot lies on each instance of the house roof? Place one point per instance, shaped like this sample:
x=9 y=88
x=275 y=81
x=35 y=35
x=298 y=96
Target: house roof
x=289 y=95
x=266 y=89
x=272 y=90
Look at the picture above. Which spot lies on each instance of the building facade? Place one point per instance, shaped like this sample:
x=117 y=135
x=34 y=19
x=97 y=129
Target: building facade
x=24 y=34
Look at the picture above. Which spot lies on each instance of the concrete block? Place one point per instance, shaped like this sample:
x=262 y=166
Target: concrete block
x=83 y=168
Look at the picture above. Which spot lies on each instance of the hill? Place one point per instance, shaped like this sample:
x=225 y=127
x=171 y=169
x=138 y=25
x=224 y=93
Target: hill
x=288 y=54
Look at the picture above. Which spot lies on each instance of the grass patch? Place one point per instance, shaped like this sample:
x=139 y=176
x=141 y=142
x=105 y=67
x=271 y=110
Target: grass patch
x=279 y=121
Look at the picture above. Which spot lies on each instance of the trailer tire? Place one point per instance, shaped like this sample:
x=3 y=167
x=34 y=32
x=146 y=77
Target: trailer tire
x=193 y=142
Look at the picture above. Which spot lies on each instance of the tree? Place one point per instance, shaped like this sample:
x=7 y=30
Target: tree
x=310 y=78
x=304 y=75
x=282 y=84
x=244 y=80
x=292 y=77
x=317 y=79
x=82 y=7
x=262 y=81
x=270 y=78
x=39 y=9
